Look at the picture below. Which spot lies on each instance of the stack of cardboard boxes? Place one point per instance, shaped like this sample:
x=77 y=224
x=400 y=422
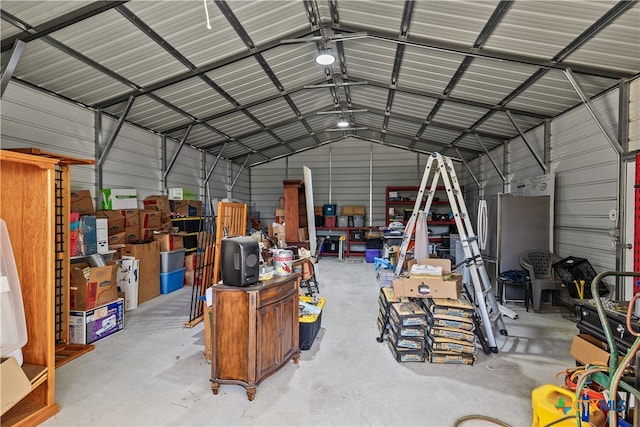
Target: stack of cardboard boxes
x=450 y=331
x=430 y=321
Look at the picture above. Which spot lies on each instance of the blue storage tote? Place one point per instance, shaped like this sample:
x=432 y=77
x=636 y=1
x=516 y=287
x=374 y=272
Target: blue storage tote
x=330 y=209
x=171 y=281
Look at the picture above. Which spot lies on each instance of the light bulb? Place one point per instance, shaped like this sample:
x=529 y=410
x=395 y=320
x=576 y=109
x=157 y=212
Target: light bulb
x=342 y=123
x=325 y=58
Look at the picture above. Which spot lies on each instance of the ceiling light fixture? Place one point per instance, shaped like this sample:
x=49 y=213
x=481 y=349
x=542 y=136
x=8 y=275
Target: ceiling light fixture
x=342 y=122
x=325 y=57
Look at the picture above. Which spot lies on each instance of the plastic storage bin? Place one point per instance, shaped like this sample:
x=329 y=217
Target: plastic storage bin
x=572 y=268
x=171 y=281
x=330 y=221
x=358 y=220
x=172 y=260
x=330 y=209
x=370 y=254
x=310 y=323
x=343 y=221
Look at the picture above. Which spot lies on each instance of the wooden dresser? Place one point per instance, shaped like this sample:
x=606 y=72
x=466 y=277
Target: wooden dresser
x=254 y=331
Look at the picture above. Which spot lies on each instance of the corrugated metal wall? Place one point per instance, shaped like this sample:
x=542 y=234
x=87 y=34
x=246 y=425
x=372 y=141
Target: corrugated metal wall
x=31 y=118
x=341 y=175
x=586 y=171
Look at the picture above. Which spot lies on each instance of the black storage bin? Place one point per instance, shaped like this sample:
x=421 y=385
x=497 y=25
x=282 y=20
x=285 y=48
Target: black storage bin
x=331 y=244
x=356 y=235
x=373 y=243
x=190 y=241
x=572 y=268
x=319 y=220
x=189 y=225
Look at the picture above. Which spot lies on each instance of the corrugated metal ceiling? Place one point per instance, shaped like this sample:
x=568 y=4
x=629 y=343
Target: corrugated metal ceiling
x=447 y=76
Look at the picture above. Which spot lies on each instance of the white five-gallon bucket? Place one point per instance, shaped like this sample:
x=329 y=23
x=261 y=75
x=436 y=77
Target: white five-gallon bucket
x=282 y=262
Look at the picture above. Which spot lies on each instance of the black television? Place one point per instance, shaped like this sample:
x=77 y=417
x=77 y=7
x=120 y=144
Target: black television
x=239 y=260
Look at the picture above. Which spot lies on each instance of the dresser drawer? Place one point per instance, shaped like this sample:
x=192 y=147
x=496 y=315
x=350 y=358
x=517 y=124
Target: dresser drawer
x=276 y=292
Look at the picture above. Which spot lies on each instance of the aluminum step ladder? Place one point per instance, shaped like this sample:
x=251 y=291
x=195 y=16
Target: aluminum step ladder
x=484 y=299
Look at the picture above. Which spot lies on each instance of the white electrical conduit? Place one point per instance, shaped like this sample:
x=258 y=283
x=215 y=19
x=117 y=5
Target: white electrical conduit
x=206 y=12
x=483 y=224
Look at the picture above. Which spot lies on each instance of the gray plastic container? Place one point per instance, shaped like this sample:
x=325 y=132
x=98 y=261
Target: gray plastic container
x=172 y=260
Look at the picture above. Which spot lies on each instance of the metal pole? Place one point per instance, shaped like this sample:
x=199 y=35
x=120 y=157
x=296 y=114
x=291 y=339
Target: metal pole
x=16 y=54
x=524 y=138
x=468 y=169
x=175 y=155
x=592 y=110
x=489 y=156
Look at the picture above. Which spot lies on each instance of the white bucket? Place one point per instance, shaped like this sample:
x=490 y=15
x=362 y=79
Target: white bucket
x=282 y=262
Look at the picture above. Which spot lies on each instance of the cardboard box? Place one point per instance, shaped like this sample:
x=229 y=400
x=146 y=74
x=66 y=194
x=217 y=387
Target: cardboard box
x=186 y=207
x=181 y=194
x=89 y=326
x=191 y=279
x=149 y=279
x=150 y=219
x=132 y=234
x=158 y=203
x=277 y=231
x=131 y=217
x=430 y=286
x=346 y=210
x=92 y=286
x=127 y=279
x=118 y=239
x=303 y=234
x=169 y=242
x=589 y=350
x=81 y=201
x=115 y=220
x=119 y=198
x=14 y=385
x=193 y=260
x=150 y=233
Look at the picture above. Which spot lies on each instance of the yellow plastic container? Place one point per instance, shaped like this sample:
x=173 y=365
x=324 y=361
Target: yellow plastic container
x=551 y=403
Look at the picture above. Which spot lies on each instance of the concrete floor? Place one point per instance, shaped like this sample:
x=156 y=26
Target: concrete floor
x=154 y=373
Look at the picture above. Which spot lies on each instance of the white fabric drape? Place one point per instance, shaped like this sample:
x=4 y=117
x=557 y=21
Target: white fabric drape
x=421 y=248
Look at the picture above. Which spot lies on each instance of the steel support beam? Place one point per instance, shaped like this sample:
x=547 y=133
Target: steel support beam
x=16 y=54
x=592 y=110
x=490 y=158
x=215 y=163
x=104 y=151
x=526 y=142
x=61 y=22
x=165 y=173
x=233 y=183
x=468 y=168
x=98 y=142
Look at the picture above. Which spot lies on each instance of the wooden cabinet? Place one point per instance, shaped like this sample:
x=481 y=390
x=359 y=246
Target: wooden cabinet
x=295 y=210
x=254 y=331
x=27 y=193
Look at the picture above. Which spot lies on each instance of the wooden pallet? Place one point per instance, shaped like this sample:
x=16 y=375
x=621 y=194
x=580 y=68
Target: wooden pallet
x=67 y=352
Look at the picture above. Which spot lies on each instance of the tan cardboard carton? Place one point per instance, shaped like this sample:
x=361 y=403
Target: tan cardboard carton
x=14 y=385
x=115 y=221
x=150 y=219
x=132 y=217
x=92 y=286
x=169 y=242
x=149 y=280
x=430 y=286
x=81 y=201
